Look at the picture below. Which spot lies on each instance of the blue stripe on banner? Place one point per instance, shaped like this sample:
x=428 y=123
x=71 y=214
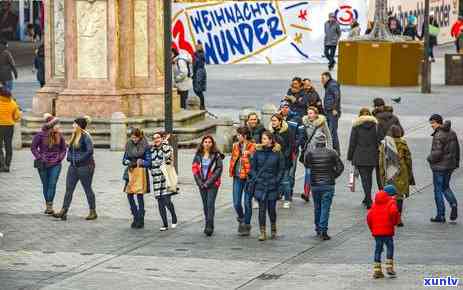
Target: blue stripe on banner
x=298 y=50
x=296 y=5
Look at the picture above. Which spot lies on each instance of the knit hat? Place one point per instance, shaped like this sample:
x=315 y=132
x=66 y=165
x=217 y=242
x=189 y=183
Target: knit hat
x=437 y=118
x=50 y=121
x=320 y=138
x=284 y=104
x=390 y=190
x=378 y=102
x=83 y=122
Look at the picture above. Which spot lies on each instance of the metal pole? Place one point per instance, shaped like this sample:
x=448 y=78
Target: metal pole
x=168 y=108
x=426 y=68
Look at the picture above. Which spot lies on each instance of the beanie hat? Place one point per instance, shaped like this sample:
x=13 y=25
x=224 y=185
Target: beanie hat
x=390 y=190
x=320 y=138
x=437 y=118
x=50 y=121
x=378 y=102
x=83 y=122
x=284 y=104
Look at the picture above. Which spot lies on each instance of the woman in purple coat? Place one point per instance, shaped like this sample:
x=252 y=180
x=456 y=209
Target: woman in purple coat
x=49 y=149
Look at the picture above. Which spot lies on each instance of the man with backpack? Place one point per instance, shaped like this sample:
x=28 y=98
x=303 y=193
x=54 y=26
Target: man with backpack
x=183 y=74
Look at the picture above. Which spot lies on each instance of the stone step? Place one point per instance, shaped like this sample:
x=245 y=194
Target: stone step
x=183 y=118
x=187 y=137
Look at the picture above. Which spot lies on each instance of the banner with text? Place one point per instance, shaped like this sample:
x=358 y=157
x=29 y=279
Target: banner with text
x=261 y=31
x=444 y=11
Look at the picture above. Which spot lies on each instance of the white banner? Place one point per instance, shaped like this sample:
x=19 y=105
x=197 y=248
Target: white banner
x=261 y=31
x=444 y=11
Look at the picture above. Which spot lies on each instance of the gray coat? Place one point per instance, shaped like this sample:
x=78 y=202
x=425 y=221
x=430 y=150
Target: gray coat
x=332 y=33
x=183 y=72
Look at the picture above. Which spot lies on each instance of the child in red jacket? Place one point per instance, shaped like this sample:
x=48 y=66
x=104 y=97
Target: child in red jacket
x=382 y=218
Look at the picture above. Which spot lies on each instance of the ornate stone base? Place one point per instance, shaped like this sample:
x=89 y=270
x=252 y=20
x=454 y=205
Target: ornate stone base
x=44 y=100
x=101 y=104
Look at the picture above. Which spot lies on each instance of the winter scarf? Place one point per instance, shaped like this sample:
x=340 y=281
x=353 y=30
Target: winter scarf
x=391 y=159
x=136 y=150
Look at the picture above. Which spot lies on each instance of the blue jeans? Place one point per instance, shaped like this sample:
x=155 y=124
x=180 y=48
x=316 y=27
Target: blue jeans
x=333 y=125
x=238 y=189
x=322 y=198
x=292 y=173
x=307 y=188
x=285 y=186
x=380 y=242
x=49 y=177
x=330 y=53
x=441 y=180
x=9 y=85
x=139 y=210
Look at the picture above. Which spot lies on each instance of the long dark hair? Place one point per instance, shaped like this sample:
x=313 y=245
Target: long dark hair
x=214 y=148
x=270 y=136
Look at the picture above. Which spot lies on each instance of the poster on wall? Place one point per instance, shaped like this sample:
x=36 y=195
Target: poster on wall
x=444 y=11
x=261 y=31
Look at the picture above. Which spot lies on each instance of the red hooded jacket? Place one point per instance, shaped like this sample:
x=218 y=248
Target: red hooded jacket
x=456 y=28
x=383 y=216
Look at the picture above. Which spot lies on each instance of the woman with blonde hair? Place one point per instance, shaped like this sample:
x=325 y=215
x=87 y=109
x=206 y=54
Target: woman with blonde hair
x=81 y=168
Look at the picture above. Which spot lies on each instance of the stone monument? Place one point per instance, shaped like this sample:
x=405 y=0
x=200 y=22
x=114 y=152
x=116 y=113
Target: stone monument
x=380 y=58
x=103 y=56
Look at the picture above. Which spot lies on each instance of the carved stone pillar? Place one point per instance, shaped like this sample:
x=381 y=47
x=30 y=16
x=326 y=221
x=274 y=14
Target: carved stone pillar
x=43 y=101
x=111 y=49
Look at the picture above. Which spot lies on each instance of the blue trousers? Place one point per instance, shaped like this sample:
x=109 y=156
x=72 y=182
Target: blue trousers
x=333 y=125
x=136 y=210
x=322 y=198
x=285 y=186
x=49 y=177
x=441 y=180
x=238 y=189
x=380 y=242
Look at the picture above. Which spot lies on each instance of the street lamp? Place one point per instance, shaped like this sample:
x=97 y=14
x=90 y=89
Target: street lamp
x=168 y=108
x=426 y=68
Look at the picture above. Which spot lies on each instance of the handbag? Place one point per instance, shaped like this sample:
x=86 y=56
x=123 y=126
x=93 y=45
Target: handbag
x=301 y=158
x=137 y=183
x=351 y=179
x=39 y=164
x=250 y=186
x=170 y=174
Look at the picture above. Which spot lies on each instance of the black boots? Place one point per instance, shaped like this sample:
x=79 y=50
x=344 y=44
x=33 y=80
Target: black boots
x=324 y=236
x=61 y=215
x=438 y=220
x=454 y=213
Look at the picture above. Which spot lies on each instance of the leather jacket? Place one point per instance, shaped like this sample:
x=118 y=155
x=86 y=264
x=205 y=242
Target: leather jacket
x=325 y=166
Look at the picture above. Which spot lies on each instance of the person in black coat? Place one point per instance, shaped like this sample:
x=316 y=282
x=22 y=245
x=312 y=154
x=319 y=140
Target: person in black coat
x=207 y=171
x=363 y=150
x=199 y=74
x=313 y=98
x=279 y=128
x=255 y=127
x=39 y=65
x=325 y=166
x=385 y=117
x=296 y=97
x=267 y=169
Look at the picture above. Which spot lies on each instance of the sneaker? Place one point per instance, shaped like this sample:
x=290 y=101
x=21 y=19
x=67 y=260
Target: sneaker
x=437 y=220
x=287 y=204
x=163 y=229
x=173 y=226
x=454 y=213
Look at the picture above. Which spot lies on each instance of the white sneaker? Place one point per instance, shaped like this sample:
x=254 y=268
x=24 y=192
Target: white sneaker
x=163 y=229
x=173 y=226
x=287 y=204
x=255 y=204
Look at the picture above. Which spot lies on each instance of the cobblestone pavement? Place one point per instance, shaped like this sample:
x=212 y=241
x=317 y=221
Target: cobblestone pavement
x=39 y=252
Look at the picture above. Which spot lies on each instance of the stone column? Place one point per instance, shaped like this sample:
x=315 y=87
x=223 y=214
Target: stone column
x=111 y=50
x=267 y=111
x=44 y=100
x=118 y=131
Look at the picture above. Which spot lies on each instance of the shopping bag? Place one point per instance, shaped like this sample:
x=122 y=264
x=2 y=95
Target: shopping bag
x=137 y=183
x=171 y=177
x=434 y=30
x=351 y=184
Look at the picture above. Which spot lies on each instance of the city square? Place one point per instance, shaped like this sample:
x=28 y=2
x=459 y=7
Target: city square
x=38 y=251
